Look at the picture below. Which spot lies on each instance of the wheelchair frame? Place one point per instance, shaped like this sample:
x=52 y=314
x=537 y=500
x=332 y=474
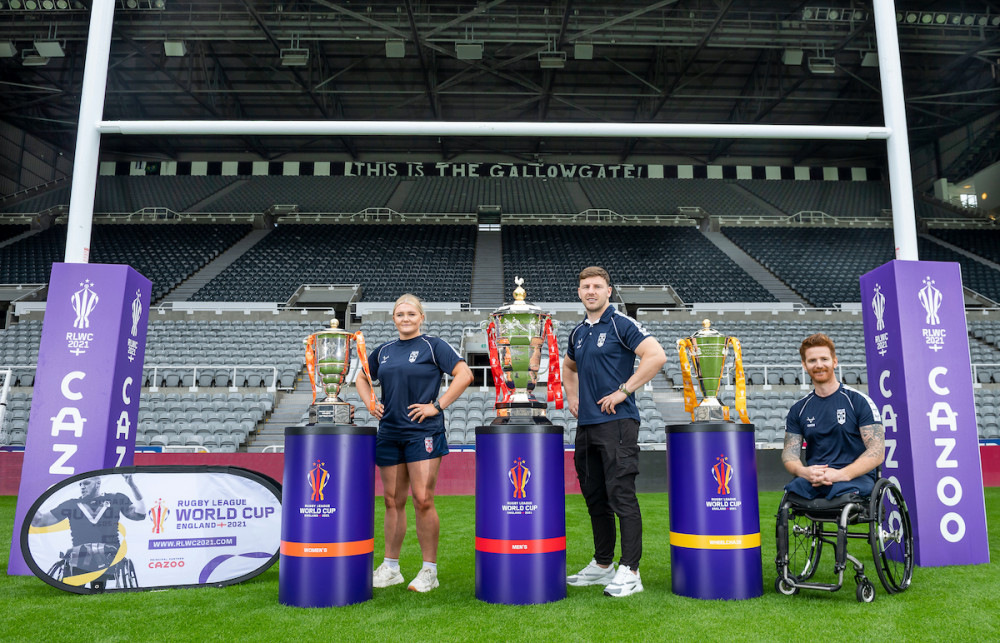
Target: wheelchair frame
x=800 y=534
x=122 y=573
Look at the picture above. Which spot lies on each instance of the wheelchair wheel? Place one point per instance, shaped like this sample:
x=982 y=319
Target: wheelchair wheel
x=891 y=537
x=804 y=546
x=865 y=593
x=782 y=587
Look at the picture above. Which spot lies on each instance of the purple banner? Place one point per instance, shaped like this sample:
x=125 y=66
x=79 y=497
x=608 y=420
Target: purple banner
x=920 y=376
x=86 y=395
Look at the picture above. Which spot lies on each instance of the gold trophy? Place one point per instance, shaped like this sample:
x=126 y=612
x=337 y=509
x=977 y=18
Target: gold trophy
x=708 y=348
x=515 y=336
x=328 y=361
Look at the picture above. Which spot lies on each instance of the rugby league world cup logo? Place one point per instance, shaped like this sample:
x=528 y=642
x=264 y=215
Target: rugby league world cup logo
x=518 y=476
x=136 y=312
x=878 y=306
x=723 y=473
x=930 y=299
x=158 y=515
x=84 y=301
x=318 y=477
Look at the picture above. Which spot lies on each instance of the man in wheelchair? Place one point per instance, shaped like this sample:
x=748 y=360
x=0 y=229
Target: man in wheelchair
x=837 y=484
x=93 y=524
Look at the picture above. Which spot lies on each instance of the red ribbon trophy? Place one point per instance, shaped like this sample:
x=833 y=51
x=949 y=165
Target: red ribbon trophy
x=328 y=360
x=515 y=335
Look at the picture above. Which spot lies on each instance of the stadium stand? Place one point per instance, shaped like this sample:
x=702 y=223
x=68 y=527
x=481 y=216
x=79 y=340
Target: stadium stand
x=665 y=196
x=821 y=264
x=550 y=257
x=309 y=193
x=466 y=194
x=164 y=253
x=9 y=231
x=836 y=198
x=433 y=262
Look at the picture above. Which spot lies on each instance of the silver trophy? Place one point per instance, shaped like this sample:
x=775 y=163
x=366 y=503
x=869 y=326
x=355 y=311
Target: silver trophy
x=328 y=359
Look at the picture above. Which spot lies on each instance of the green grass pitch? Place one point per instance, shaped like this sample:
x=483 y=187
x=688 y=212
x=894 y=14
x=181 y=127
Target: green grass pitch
x=943 y=604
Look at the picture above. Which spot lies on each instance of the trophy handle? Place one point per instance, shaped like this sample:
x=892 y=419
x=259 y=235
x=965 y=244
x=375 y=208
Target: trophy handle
x=555 y=392
x=372 y=401
x=311 y=362
x=499 y=383
x=740 y=380
x=690 y=398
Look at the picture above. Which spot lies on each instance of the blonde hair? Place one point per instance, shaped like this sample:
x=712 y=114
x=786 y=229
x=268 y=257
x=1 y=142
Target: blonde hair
x=411 y=299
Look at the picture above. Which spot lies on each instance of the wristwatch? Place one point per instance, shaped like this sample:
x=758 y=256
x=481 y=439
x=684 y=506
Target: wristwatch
x=624 y=390
x=437 y=405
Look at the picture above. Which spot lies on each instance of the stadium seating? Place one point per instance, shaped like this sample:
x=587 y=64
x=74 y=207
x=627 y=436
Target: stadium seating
x=466 y=194
x=550 y=258
x=164 y=253
x=325 y=194
x=836 y=198
x=634 y=196
x=433 y=262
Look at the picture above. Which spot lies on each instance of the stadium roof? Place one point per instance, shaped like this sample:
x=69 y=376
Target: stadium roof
x=671 y=61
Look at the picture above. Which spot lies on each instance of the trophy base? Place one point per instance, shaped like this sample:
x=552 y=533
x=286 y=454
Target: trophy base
x=331 y=413
x=521 y=413
x=710 y=413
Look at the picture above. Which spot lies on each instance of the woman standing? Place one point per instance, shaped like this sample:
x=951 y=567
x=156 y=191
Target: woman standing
x=411 y=436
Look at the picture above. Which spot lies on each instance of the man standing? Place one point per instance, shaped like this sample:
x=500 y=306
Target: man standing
x=842 y=429
x=600 y=377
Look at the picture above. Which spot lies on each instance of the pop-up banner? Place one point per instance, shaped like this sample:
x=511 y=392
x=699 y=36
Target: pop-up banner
x=142 y=528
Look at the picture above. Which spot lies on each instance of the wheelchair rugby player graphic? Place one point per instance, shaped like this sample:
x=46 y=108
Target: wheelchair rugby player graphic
x=97 y=554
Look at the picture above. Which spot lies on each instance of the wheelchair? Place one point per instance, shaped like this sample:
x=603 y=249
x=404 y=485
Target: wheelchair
x=91 y=557
x=801 y=533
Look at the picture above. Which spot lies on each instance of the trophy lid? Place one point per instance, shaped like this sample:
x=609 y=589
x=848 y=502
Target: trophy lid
x=707 y=330
x=333 y=329
x=519 y=305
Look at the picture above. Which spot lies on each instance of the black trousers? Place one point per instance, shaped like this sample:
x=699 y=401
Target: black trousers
x=607 y=461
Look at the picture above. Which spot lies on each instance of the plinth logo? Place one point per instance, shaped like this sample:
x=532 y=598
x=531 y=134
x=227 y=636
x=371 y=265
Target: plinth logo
x=723 y=473
x=136 y=312
x=878 y=307
x=318 y=477
x=518 y=476
x=158 y=515
x=930 y=299
x=84 y=301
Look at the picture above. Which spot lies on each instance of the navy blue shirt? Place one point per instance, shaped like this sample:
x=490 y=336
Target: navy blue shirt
x=410 y=373
x=830 y=425
x=604 y=353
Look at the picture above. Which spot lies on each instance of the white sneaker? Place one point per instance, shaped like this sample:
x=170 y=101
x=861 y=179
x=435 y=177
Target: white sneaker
x=386 y=576
x=426 y=580
x=592 y=574
x=625 y=583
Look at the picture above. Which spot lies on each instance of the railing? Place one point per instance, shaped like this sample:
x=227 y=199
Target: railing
x=155 y=386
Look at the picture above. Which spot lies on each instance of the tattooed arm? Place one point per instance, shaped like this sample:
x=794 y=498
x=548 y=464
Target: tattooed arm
x=873 y=435
x=791 y=458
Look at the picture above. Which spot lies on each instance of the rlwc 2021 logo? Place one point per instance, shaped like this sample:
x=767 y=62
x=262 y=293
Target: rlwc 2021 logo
x=519 y=475
x=930 y=298
x=318 y=479
x=83 y=301
x=158 y=515
x=722 y=471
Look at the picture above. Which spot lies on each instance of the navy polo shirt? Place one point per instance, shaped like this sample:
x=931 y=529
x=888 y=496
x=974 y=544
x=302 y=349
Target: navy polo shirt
x=410 y=373
x=604 y=353
x=830 y=425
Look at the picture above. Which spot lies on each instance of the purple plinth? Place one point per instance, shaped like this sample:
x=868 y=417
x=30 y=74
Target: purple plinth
x=714 y=513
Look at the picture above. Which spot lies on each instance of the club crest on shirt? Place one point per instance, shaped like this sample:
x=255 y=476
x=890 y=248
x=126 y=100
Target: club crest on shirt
x=841 y=416
x=601 y=338
x=429 y=444
x=413 y=356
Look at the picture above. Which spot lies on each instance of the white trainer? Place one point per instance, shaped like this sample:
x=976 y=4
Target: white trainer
x=592 y=574
x=426 y=580
x=386 y=576
x=625 y=583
